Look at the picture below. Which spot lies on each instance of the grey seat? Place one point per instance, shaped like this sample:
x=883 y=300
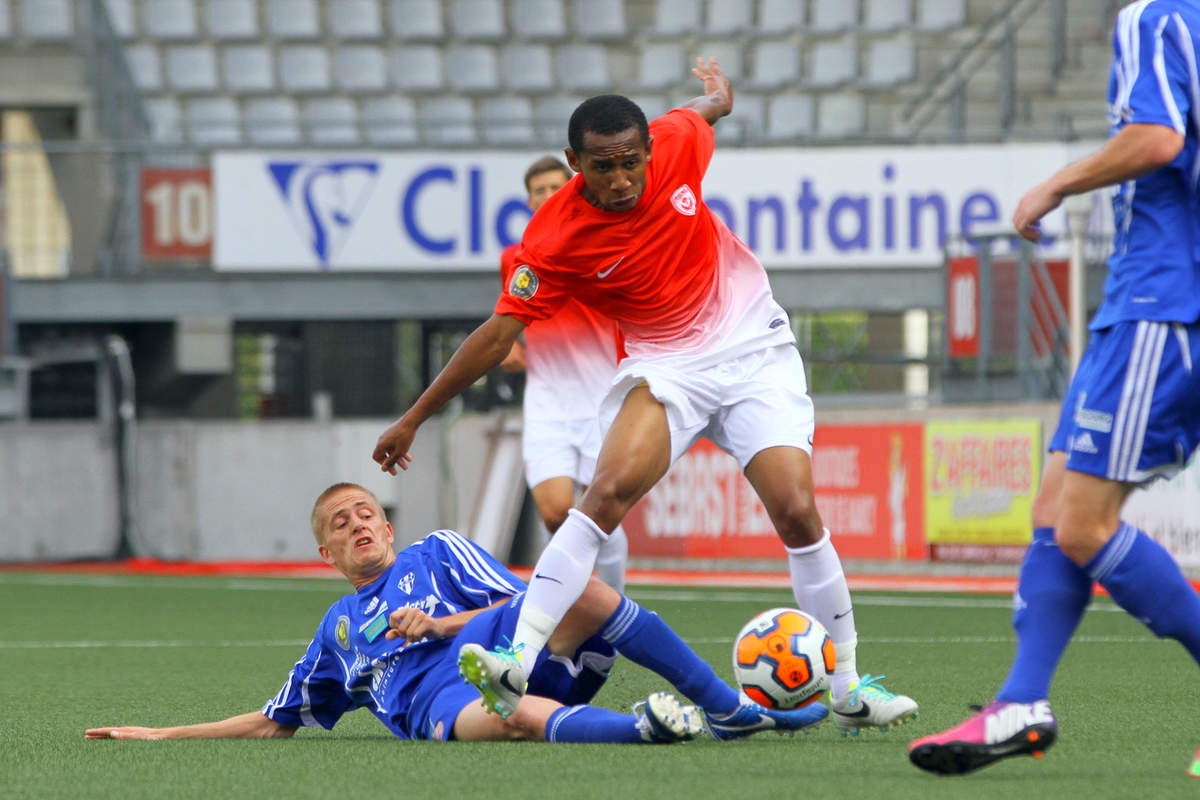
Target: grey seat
x=247 y=68
x=166 y=120
x=728 y=17
x=583 y=67
x=231 y=19
x=448 y=121
x=840 y=114
x=331 y=120
x=213 y=121
x=120 y=16
x=507 y=120
x=145 y=66
x=774 y=62
x=780 y=16
x=526 y=68
x=599 y=19
x=416 y=20
x=169 y=19
x=360 y=68
x=655 y=105
x=418 y=68
x=834 y=62
x=304 y=68
x=539 y=20
x=293 y=19
x=389 y=121
x=728 y=53
x=354 y=19
x=48 y=19
x=675 y=18
x=192 y=68
x=6 y=20
x=472 y=68
x=481 y=20
x=271 y=120
x=550 y=116
x=789 y=117
x=937 y=15
x=830 y=16
x=662 y=65
x=746 y=123
x=891 y=60
x=886 y=15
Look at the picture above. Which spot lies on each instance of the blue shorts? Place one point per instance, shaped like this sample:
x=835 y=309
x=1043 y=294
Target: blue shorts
x=443 y=694
x=1132 y=412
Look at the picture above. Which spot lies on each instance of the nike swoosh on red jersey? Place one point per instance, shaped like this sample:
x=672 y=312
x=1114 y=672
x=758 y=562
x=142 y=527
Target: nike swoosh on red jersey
x=605 y=273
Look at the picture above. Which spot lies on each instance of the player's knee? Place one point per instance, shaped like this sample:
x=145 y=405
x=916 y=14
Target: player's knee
x=797 y=520
x=1079 y=540
x=1045 y=508
x=608 y=499
x=553 y=518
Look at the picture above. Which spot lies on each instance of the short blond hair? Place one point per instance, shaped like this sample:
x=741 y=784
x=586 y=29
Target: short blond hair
x=318 y=520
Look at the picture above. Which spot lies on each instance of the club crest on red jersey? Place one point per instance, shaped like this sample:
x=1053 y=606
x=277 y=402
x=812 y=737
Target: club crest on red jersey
x=684 y=201
x=524 y=283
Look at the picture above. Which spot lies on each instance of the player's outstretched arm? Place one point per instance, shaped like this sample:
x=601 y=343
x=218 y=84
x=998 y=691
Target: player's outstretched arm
x=717 y=100
x=244 y=726
x=1136 y=150
x=483 y=349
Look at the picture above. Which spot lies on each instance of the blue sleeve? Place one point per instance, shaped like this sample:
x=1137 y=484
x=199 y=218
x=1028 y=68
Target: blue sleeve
x=469 y=576
x=314 y=694
x=1154 y=68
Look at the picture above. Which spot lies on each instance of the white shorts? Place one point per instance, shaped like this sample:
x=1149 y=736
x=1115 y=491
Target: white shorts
x=743 y=405
x=557 y=448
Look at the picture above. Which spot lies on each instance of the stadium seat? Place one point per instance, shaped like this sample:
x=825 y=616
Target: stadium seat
x=662 y=65
x=418 y=68
x=654 y=105
x=840 y=114
x=727 y=52
x=472 y=68
x=247 y=68
x=120 y=16
x=535 y=20
x=478 y=19
x=833 y=62
x=789 y=117
x=673 y=18
x=169 y=19
x=937 y=15
x=331 y=120
x=780 y=16
x=728 y=17
x=583 y=67
x=389 y=121
x=165 y=119
x=507 y=120
x=48 y=19
x=416 y=20
x=192 y=68
x=144 y=66
x=774 y=62
x=550 y=119
x=360 y=68
x=304 y=68
x=891 y=60
x=213 y=121
x=231 y=19
x=293 y=19
x=448 y=120
x=886 y=15
x=831 y=16
x=271 y=120
x=600 y=19
x=6 y=29
x=354 y=19
x=747 y=121
x=526 y=68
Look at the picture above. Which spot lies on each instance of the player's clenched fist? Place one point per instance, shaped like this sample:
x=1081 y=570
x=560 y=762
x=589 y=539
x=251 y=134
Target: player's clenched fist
x=413 y=625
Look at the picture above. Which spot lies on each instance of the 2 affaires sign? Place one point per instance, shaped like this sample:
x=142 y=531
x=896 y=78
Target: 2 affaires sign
x=873 y=206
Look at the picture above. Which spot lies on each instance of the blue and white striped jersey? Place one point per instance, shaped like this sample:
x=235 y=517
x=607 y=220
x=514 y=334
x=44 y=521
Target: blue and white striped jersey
x=350 y=663
x=1154 y=271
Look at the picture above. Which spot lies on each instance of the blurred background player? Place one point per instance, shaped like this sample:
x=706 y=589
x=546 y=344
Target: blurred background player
x=569 y=362
x=391 y=646
x=710 y=353
x=1132 y=413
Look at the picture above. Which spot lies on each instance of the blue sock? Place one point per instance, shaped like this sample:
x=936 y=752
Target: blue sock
x=1052 y=593
x=591 y=724
x=643 y=638
x=1144 y=580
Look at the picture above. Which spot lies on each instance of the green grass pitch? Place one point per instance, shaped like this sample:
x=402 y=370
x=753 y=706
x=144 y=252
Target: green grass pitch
x=81 y=651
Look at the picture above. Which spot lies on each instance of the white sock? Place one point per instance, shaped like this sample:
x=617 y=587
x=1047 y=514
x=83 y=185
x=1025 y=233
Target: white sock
x=610 y=563
x=819 y=586
x=558 y=579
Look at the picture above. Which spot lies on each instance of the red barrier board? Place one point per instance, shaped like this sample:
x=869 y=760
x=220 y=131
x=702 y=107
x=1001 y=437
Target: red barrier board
x=177 y=214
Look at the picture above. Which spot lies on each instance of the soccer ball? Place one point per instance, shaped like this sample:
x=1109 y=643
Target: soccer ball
x=783 y=659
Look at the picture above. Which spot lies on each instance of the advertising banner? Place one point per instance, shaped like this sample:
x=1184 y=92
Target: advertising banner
x=177 y=214
x=980 y=480
x=867 y=478
x=1169 y=511
x=362 y=210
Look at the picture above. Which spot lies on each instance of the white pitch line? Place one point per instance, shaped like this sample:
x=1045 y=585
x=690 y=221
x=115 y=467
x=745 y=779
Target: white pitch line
x=150 y=644
x=959 y=640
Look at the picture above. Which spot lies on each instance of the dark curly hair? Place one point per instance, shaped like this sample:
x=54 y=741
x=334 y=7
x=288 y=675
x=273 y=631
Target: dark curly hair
x=605 y=114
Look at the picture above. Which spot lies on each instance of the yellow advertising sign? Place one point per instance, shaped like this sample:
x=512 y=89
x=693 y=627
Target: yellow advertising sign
x=980 y=480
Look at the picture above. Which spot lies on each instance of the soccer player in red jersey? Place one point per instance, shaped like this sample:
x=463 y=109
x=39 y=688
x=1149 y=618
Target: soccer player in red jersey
x=710 y=353
x=569 y=361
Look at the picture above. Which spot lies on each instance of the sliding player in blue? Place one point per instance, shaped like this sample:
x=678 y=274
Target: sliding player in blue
x=1132 y=413
x=392 y=645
